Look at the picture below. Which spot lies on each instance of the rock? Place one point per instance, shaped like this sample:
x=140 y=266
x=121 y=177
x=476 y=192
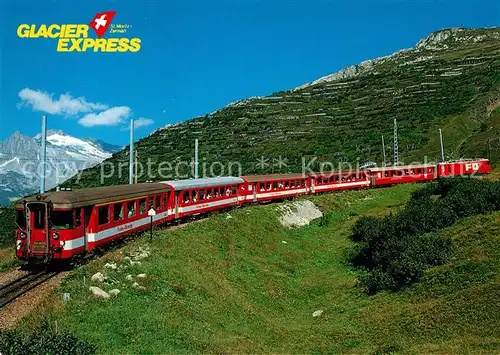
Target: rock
x=141 y=276
x=317 y=313
x=111 y=266
x=127 y=259
x=114 y=292
x=228 y=216
x=298 y=214
x=66 y=297
x=129 y=278
x=98 y=293
x=97 y=277
x=138 y=287
x=284 y=242
x=142 y=253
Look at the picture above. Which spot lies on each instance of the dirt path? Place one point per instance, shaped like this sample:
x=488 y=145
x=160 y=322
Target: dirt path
x=11 y=314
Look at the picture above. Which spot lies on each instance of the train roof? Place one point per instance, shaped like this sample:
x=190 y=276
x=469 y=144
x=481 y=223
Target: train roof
x=273 y=177
x=95 y=195
x=402 y=167
x=205 y=182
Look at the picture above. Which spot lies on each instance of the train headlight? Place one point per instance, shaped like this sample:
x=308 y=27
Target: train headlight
x=23 y=235
x=55 y=235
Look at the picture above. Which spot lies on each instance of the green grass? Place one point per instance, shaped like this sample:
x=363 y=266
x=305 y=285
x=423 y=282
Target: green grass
x=8 y=259
x=230 y=285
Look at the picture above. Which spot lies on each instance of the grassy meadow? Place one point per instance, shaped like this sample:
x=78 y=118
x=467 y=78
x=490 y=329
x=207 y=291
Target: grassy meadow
x=238 y=282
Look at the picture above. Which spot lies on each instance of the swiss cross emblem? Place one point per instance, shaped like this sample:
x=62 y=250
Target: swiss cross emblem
x=101 y=22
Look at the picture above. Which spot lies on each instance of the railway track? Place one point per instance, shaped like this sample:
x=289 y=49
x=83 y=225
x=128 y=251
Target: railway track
x=14 y=289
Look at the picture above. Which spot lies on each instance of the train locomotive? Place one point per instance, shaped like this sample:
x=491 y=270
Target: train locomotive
x=60 y=225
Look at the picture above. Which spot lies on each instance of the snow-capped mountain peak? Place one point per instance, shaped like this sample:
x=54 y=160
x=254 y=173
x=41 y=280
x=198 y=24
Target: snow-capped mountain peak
x=66 y=155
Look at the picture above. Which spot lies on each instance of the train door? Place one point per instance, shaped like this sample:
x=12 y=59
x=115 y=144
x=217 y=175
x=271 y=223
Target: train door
x=87 y=214
x=37 y=228
x=177 y=196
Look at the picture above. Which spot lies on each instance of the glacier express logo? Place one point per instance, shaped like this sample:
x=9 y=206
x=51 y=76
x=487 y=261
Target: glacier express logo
x=75 y=37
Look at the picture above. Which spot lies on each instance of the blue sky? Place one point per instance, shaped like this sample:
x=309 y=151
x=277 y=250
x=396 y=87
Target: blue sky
x=197 y=56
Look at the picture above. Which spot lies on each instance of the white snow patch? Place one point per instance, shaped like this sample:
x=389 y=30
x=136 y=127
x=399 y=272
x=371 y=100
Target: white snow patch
x=298 y=214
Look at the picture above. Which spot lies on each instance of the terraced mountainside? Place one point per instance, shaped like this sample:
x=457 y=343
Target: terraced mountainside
x=451 y=79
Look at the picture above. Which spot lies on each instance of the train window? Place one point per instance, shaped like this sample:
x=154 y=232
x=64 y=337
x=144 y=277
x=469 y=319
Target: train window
x=275 y=185
x=202 y=194
x=131 y=208
x=150 y=202
x=39 y=218
x=287 y=184
x=234 y=190
x=103 y=214
x=142 y=206
x=185 y=196
x=268 y=186
x=261 y=186
x=21 y=219
x=118 y=211
x=292 y=184
x=157 y=202
x=61 y=219
x=165 y=200
x=78 y=217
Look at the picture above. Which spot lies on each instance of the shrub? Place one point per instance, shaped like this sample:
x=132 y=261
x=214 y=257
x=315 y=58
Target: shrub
x=395 y=250
x=43 y=341
x=7 y=227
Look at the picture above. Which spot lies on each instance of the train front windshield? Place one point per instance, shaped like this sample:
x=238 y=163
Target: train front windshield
x=61 y=219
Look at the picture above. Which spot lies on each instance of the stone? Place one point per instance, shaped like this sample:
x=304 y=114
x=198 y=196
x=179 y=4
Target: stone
x=317 y=313
x=114 y=292
x=98 y=293
x=97 y=277
x=141 y=276
x=138 y=287
x=129 y=278
x=111 y=266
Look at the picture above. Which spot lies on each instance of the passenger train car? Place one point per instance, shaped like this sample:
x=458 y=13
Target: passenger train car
x=63 y=224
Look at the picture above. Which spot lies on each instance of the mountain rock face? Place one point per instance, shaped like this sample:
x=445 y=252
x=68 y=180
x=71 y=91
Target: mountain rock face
x=66 y=155
x=449 y=80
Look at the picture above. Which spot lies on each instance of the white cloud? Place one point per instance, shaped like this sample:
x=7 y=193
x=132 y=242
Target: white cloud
x=142 y=122
x=110 y=117
x=65 y=105
x=139 y=122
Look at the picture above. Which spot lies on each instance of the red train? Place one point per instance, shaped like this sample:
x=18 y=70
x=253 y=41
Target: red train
x=63 y=224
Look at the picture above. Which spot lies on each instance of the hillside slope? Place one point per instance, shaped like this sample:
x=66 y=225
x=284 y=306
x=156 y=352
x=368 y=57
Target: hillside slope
x=246 y=284
x=451 y=79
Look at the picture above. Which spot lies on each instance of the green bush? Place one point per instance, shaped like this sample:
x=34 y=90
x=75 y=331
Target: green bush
x=43 y=341
x=394 y=251
x=7 y=227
